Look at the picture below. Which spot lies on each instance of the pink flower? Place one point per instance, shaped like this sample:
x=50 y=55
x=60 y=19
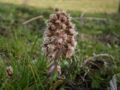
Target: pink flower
x=59 y=35
x=59 y=39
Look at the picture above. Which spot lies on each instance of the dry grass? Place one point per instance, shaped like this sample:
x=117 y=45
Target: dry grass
x=91 y=6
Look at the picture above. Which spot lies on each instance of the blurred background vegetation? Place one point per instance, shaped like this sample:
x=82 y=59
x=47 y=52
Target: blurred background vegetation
x=76 y=5
x=98 y=24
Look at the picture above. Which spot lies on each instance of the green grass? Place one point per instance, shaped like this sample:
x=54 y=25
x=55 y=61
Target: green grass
x=20 y=45
x=76 y=5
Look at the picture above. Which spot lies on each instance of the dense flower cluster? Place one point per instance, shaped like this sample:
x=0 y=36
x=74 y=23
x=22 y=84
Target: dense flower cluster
x=59 y=37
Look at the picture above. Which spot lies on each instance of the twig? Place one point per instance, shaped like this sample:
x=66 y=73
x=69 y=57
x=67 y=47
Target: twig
x=90 y=18
x=103 y=54
x=32 y=19
x=95 y=18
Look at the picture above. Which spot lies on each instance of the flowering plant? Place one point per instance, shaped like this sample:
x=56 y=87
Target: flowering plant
x=59 y=37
